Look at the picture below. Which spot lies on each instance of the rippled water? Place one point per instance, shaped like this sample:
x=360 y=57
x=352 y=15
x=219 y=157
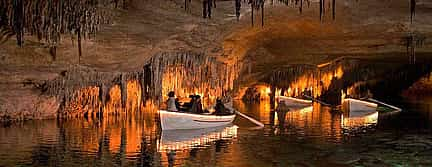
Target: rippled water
x=314 y=136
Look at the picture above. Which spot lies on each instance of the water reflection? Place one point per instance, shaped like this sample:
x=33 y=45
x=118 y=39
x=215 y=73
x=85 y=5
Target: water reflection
x=174 y=140
x=289 y=138
x=176 y=146
x=109 y=142
x=359 y=121
x=315 y=122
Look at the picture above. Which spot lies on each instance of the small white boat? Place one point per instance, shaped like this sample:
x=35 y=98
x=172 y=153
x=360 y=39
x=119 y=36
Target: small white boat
x=355 y=106
x=178 y=120
x=292 y=102
x=182 y=139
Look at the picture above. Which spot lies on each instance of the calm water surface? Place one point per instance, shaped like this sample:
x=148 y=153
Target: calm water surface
x=310 y=137
x=313 y=136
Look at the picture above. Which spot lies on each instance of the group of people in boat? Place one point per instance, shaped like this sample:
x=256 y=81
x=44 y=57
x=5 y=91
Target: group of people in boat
x=194 y=105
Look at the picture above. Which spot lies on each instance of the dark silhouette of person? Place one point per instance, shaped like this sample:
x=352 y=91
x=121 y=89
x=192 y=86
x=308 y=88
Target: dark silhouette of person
x=220 y=108
x=194 y=105
x=171 y=104
x=177 y=104
x=307 y=93
x=198 y=104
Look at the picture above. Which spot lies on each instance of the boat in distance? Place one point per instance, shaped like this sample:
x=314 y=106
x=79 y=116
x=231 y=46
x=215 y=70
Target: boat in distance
x=359 y=106
x=171 y=120
x=292 y=102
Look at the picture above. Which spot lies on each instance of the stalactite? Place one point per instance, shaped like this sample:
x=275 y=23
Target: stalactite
x=84 y=91
x=79 y=45
x=252 y=13
x=412 y=7
x=411 y=42
x=237 y=9
x=189 y=73
x=18 y=21
x=321 y=9
x=262 y=14
x=301 y=6
x=49 y=19
x=296 y=78
x=257 y=5
x=123 y=88
x=334 y=9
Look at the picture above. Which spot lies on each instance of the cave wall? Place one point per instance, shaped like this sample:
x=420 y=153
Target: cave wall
x=84 y=91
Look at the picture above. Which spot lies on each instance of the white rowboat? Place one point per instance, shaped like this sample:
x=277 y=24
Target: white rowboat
x=294 y=102
x=354 y=106
x=177 y=120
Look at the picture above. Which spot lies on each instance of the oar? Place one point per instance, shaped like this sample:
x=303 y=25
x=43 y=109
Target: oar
x=250 y=119
x=318 y=101
x=388 y=105
x=245 y=116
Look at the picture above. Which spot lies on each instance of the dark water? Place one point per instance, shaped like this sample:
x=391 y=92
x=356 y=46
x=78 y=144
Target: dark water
x=314 y=136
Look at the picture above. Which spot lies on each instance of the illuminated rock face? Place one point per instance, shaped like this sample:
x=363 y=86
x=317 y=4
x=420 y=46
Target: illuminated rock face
x=86 y=92
x=187 y=74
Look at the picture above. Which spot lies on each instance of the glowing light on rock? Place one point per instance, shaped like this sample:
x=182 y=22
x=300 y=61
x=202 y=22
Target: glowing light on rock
x=293 y=83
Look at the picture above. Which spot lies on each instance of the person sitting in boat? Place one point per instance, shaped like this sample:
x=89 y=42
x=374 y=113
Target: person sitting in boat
x=199 y=104
x=307 y=93
x=188 y=105
x=196 y=105
x=193 y=104
x=177 y=104
x=220 y=108
x=171 y=104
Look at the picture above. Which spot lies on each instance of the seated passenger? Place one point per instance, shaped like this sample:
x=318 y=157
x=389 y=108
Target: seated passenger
x=198 y=105
x=189 y=104
x=171 y=104
x=192 y=104
x=177 y=104
x=220 y=108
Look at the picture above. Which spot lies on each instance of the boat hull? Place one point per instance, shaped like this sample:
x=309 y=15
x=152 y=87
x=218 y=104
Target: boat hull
x=176 y=120
x=358 y=107
x=295 y=103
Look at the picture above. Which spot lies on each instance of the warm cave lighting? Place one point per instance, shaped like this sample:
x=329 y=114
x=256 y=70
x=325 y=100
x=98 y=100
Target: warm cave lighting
x=359 y=121
x=316 y=82
x=268 y=90
x=280 y=83
x=187 y=139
